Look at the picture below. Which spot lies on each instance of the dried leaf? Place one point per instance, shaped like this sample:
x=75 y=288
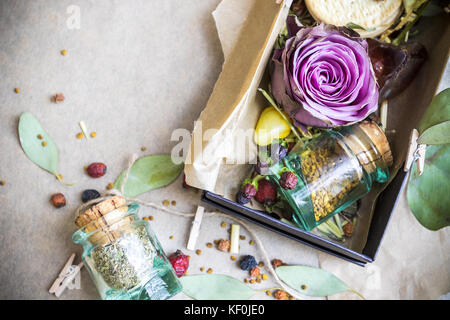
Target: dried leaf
x=435 y=123
x=215 y=287
x=311 y=281
x=149 y=173
x=45 y=157
x=427 y=194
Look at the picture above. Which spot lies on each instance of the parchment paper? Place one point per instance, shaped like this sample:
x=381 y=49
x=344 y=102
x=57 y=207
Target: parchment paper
x=135 y=71
x=233 y=109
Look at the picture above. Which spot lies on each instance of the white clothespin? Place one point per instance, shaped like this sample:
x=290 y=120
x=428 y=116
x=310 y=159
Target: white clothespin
x=195 y=229
x=416 y=152
x=66 y=276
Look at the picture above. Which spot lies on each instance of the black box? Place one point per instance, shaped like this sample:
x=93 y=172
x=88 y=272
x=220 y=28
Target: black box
x=382 y=213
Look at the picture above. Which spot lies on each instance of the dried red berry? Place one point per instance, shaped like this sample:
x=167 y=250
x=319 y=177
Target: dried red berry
x=249 y=191
x=288 y=180
x=180 y=262
x=96 y=169
x=58 y=200
x=267 y=192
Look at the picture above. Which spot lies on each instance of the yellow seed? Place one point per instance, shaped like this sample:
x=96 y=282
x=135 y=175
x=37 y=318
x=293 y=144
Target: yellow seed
x=210 y=270
x=223 y=224
x=146 y=218
x=209 y=245
x=80 y=135
x=252 y=281
x=151 y=218
x=166 y=202
x=258 y=279
x=198 y=252
x=264 y=276
x=261 y=264
x=246 y=280
x=174 y=203
x=93 y=134
x=251 y=242
x=304 y=287
x=44 y=143
x=40 y=137
x=16 y=90
x=2 y=182
x=202 y=269
x=242 y=237
x=60 y=176
x=85 y=167
x=216 y=242
x=171 y=237
x=233 y=258
x=143 y=148
x=64 y=52
x=268 y=292
x=110 y=186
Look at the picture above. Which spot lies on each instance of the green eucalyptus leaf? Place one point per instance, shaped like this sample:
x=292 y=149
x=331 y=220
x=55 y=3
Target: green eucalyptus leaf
x=45 y=157
x=149 y=173
x=427 y=194
x=215 y=287
x=311 y=281
x=438 y=112
x=437 y=134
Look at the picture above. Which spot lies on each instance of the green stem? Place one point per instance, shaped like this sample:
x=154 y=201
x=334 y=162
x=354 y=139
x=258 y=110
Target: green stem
x=61 y=180
x=402 y=35
x=357 y=293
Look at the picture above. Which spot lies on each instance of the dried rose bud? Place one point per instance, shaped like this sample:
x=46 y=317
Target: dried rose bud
x=224 y=245
x=281 y=295
x=348 y=229
x=249 y=191
x=58 y=97
x=288 y=180
x=58 y=200
x=254 y=272
x=276 y=263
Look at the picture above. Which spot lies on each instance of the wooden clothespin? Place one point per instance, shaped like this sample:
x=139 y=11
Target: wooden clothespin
x=195 y=229
x=65 y=277
x=416 y=152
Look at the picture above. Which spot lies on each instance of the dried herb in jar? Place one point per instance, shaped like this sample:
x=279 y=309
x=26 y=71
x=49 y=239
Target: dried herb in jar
x=123 y=262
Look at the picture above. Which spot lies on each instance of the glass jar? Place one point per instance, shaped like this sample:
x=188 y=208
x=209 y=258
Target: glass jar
x=124 y=258
x=333 y=170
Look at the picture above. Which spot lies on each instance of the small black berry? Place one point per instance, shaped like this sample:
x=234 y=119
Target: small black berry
x=248 y=263
x=89 y=195
x=241 y=199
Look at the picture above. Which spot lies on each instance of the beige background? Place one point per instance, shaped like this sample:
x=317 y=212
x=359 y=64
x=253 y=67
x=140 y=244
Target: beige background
x=134 y=72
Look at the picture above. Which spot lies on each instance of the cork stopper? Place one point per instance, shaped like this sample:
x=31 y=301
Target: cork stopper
x=107 y=219
x=378 y=138
x=369 y=144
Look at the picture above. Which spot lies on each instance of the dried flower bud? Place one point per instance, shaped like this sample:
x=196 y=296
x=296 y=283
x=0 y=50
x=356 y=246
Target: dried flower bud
x=281 y=295
x=224 y=245
x=276 y=263
x=254 y=272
